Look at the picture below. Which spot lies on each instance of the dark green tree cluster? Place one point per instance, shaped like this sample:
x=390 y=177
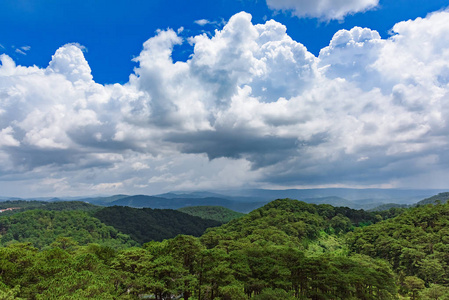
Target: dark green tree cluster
x=146 y=224
x=217 y=213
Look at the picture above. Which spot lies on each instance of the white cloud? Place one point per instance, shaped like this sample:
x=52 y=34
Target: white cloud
x=69 y=61
x=7 y=138
x=202 y=22
x=323 y=9
x=20 y=51
x=140 y=166
x=107 y=187
x=366 y=112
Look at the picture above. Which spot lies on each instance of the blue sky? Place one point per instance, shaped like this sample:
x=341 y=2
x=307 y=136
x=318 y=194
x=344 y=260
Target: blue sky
x=144 y=97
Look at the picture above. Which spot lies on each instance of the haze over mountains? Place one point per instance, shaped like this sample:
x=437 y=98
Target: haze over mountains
x=250 y=199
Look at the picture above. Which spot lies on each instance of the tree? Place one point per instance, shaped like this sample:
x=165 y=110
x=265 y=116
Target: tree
x=414 y=285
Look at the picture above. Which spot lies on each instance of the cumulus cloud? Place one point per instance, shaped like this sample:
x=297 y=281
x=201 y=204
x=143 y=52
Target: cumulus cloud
x=250 y=107
x=323 y=9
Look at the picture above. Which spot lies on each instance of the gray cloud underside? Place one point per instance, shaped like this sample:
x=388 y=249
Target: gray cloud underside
x=323 y=9
x=250 y=103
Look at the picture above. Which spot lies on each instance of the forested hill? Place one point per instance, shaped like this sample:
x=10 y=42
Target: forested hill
x=41 y=228
x=286 y=221
x=217 y=213
x=22 y=205
x=285 y=250
x=440 y=198
x=416 y=243
x=146 y=224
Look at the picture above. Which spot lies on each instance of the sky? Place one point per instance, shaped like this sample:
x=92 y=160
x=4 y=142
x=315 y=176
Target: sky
x=145 y=97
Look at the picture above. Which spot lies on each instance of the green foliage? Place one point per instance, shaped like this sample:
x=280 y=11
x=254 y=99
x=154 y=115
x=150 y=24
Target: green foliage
x=285 y=250
x=22 y=204
x=42 y=228
x=435 y=292
x=70 y=205
x=274 y=294
x=217 y=213
x=416 y=243
x=287 y=222
x=147 y=224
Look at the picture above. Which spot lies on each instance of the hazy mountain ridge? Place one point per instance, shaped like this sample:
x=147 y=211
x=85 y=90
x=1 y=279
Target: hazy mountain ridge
x=175 y=203
x=249 y=199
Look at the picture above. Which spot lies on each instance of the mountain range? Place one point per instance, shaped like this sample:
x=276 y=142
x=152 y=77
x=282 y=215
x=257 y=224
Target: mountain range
x=249 y=199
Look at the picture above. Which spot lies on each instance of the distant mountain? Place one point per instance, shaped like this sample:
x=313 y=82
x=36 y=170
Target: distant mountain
x=202 y=194
x=334 y=201
x=402 y=196
x=104 y=201
x=441 y=197
x=217 y=213
x=140 y=201
x=199 y=194
x=352 y=198
x=247 y=200
x=9 y=199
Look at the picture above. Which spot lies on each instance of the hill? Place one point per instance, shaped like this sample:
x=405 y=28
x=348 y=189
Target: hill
x=286 y=221
x=103 y=201
x=415 y=243
x=41 y=228
x=17 y=206
x=331 y=200
x=441 y=198
x=389 y=206
x=400 y=196
x=217 y=213
x=146 y=224
x=22 y=204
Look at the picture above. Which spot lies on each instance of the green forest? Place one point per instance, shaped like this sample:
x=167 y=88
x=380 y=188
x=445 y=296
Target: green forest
x=287 y=249
x=218 y=213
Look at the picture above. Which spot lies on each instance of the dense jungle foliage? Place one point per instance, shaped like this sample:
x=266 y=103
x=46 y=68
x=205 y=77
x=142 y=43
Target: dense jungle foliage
x=217 y=213
x=285 y=250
